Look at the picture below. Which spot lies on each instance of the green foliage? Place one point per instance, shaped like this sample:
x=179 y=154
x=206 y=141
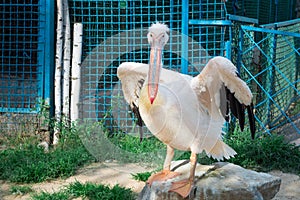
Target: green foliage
x=88 y=191
x=93 y=191
x=29 y=163
x=20 y=190
x=61 y=195
x=201 y=158
x=141 y=176
x=264 y=153
x=133 y=144
x=125 y=148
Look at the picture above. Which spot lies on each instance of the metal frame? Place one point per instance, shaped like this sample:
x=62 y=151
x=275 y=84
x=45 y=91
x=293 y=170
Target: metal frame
x=271 y=123
x=38 y=84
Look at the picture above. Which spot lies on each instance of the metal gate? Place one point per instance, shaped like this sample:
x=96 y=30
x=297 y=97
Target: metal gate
x=269 y=57
x=26 y=54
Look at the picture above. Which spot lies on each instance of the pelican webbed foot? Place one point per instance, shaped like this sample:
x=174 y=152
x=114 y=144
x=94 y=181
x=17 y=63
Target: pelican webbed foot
x=162 y=176
x=183 y=187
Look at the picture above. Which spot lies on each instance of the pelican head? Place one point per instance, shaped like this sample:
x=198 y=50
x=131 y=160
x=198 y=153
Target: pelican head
x=157 y=38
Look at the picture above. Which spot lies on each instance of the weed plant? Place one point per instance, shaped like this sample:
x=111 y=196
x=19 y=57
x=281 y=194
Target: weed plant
x=88 y=191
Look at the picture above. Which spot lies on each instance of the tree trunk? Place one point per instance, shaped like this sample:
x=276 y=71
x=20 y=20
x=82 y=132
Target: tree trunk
x=66 y=62
x=58 y=70
x=76 y=73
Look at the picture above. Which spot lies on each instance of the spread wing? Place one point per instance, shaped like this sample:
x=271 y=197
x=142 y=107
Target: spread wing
x=132 y=76
x=220 y=90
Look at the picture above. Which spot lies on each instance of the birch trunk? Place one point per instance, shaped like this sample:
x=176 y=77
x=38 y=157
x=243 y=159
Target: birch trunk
x=58 y=70
x=76 y=73
x=66 y=62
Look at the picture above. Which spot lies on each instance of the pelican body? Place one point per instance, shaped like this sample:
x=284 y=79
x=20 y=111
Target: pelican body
x=186 y=113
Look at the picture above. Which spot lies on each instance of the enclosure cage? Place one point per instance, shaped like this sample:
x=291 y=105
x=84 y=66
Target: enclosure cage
x=114 y=31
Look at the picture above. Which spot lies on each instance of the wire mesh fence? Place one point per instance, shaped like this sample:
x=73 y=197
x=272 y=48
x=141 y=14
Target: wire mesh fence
x=115 y=32
x=23 y=56
x=270 y=58
x=267 y=11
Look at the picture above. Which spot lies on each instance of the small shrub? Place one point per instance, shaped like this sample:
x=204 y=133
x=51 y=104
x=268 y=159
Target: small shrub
x=265 y=153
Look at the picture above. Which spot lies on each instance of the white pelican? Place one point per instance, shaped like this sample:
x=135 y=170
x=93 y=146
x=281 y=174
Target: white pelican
x=184 y=112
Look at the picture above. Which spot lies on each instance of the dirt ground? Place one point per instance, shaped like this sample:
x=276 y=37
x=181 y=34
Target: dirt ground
x=112 y=173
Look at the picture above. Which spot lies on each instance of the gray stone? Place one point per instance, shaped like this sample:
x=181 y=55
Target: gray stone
x=219 y=181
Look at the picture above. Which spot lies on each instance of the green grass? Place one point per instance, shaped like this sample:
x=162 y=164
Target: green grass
x=20 y=190
x=265 y=153
x=61 y=195
x=133 y=144
x=142 y=176
x=88 y=191
x=30 y=164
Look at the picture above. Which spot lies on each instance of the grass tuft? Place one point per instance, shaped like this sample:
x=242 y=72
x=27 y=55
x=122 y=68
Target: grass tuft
x=88 y=191
x=61 y=195
x=20 y=190
x=141 y=176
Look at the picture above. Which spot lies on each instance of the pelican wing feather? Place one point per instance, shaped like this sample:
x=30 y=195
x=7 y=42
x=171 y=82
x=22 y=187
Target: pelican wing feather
x=132 y=76
x=219 y=74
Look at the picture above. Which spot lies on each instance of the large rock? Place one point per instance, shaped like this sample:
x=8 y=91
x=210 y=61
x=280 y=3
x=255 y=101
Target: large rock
x=219 y=181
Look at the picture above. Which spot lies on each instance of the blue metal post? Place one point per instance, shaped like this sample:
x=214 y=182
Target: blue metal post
x=240 y=50
x=271 y=76
x=228 y=49
x=276 y=10
x=49 y=56
x=171 y=27
x=185 y=33
x=41 y=55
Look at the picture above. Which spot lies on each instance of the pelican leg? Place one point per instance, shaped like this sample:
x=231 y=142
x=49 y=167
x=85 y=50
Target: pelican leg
x=166 y=173
x=184 y=187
